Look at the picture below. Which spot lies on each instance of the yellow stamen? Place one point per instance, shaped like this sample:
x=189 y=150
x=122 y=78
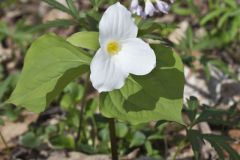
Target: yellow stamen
x=113 y=47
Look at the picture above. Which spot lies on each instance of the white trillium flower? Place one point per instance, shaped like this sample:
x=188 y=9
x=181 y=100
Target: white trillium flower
x=121 y=52
x=149 y=8
x=162 y=6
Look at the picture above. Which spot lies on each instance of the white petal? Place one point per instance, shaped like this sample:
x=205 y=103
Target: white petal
x=134 y=4
x=149 y=8
x=136 y=57
x=105 y=74
x=163 y=6
x=139 y=11
x=116 y=24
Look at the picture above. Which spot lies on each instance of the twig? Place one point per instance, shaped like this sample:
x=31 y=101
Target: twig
x=4 y=142
x=113 y=139
x=180 y=146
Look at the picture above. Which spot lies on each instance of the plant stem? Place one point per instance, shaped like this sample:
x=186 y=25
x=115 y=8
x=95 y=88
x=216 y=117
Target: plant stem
x=83 y=103
x=180 y=146
x=5 y=143
x=113 y=139
x=3 y=140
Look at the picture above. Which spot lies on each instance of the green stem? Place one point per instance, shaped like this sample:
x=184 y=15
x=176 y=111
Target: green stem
x=4 y=141
x=83 y=103
x=179 y=148
x=94 y=126
x=113 y=139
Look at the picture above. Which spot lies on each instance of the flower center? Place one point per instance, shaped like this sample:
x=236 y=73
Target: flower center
x=113 y=48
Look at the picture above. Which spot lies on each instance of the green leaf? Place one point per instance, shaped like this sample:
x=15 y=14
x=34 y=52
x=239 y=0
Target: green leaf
x=88 y=40
x=179 y=10
x=224 y=18
x=66 y=102
x=3 y=30
x=4 y=86
x=30 y=140
x=91 y=107
x=1 y=122
x=104 y=134
x=138 y=139
x=156 y=96
x=195 y=139
x=211 y=15
x=51 y=24
x=11 y=113
x=51 y=129
x=212 y=115
x=234 y=155
x=73 y=94
x=218 y=142
x=221 y=66
x=148 y=147
x=192 y=108
x=72 y=8
x=62 y=142
x=58 y=6
x=50 y=64
x=218 y=149
x=121 y=130
x=231 y=3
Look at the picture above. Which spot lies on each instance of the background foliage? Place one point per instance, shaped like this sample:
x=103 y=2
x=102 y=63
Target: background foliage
x=210 y=44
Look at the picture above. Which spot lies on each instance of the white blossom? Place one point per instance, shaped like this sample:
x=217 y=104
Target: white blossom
x=121 y=53
x=162 y=6
x=134 y=5
x=149 y=8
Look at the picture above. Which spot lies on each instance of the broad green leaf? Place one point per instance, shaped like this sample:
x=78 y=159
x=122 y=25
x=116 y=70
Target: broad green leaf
x=50 y=64
x=72 y=95
x=66 y=102
x=104 y=134
x=50 y=129
x=90 y=109
x=30 y=140
x=138 y=139
x=88 y=40
x=62 y=142
x=121 y=130
x=156 y=96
